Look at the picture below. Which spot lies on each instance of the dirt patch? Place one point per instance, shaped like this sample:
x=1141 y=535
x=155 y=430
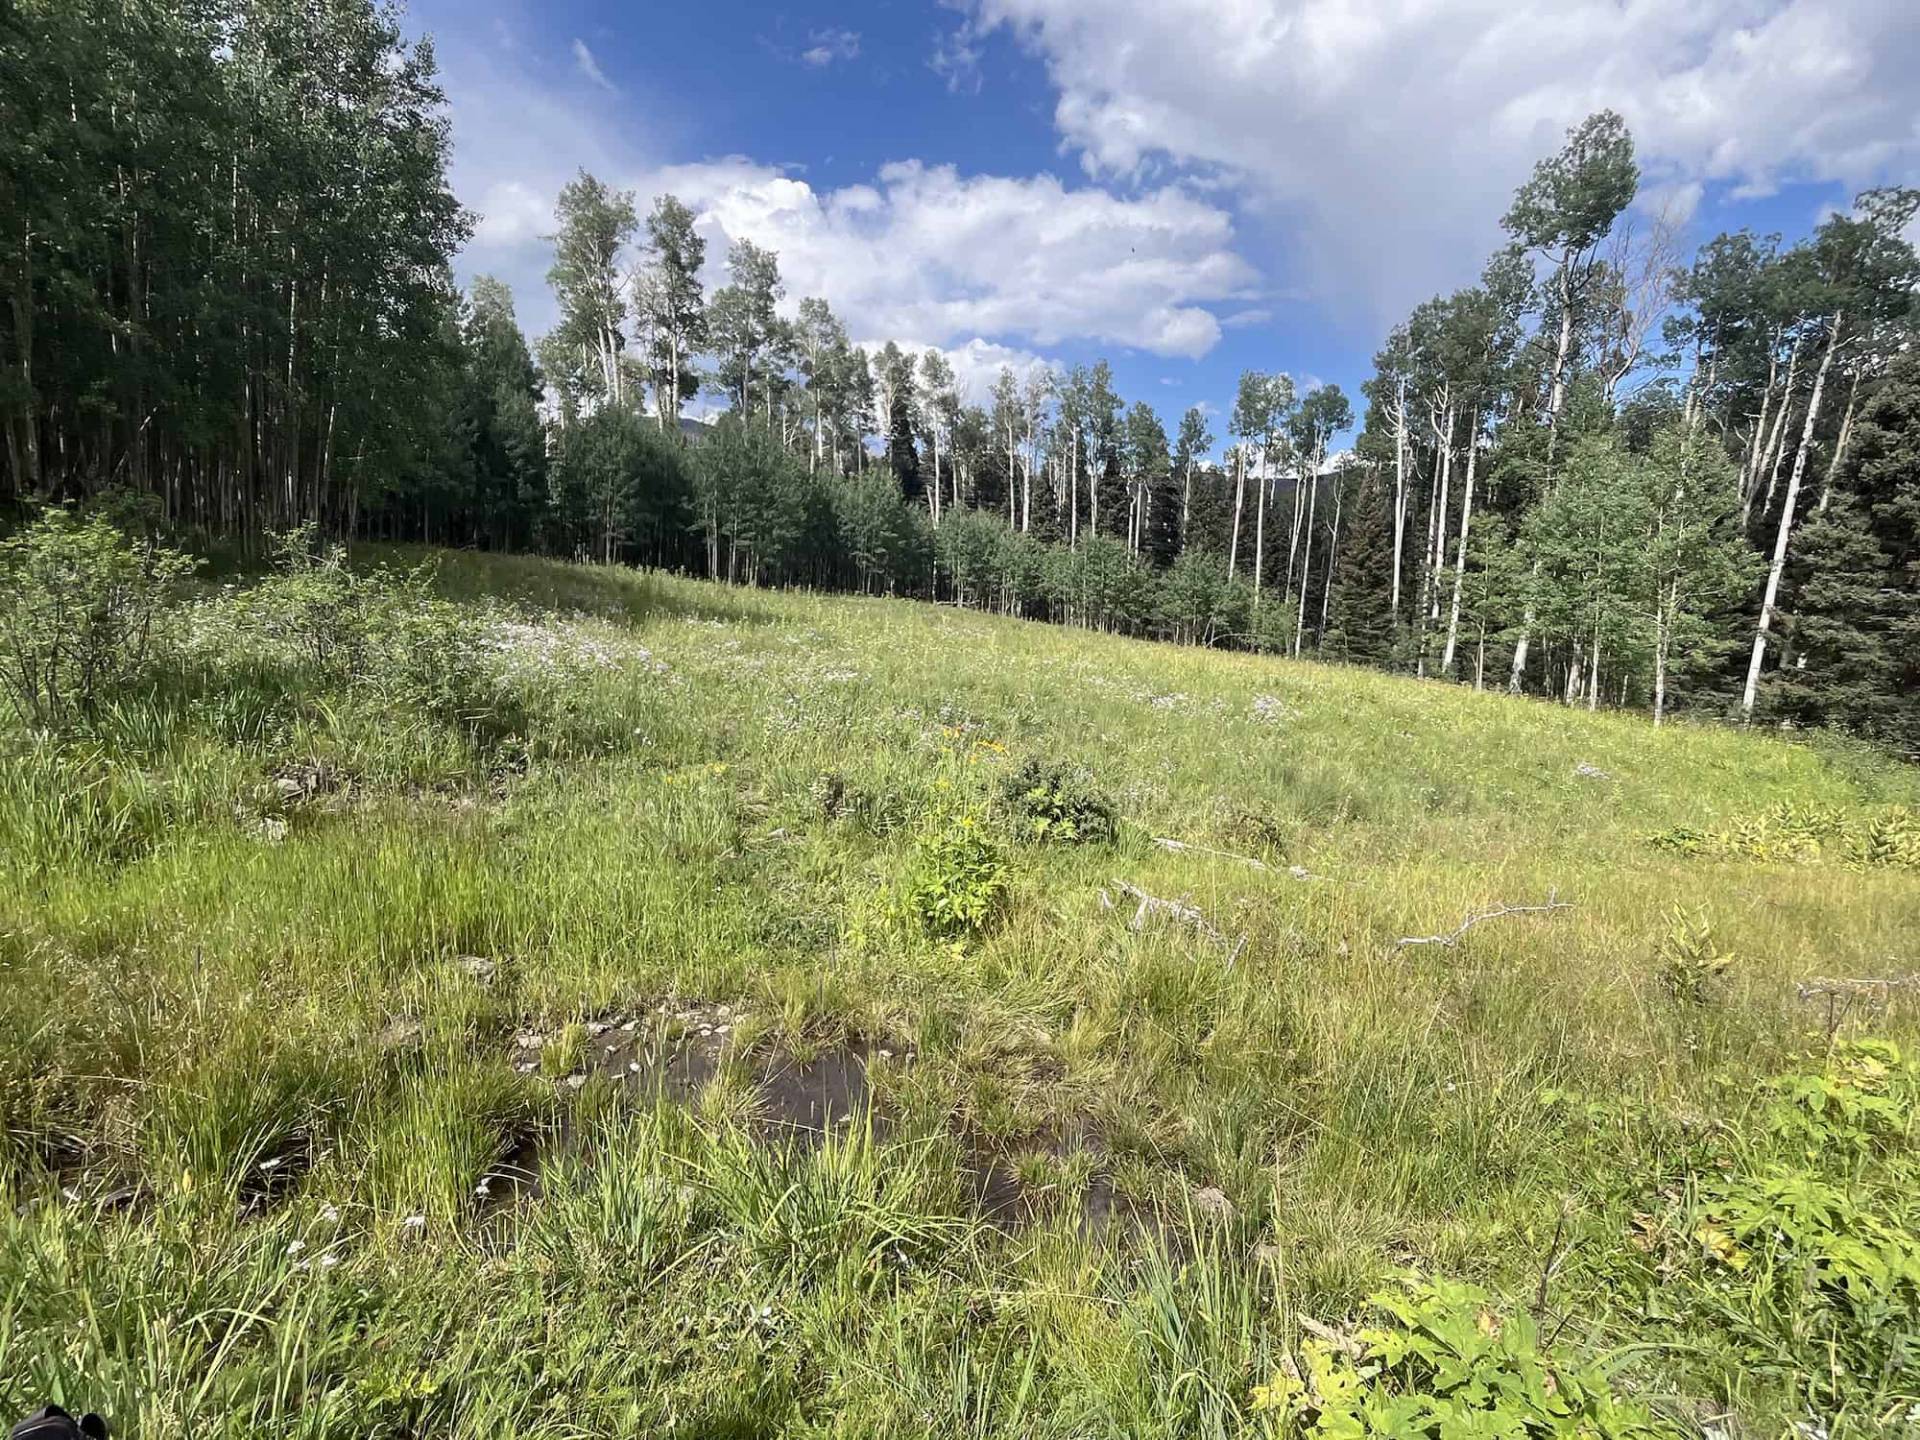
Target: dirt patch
x=674 y=1052
x=1016 y=1185
x=514 y=1176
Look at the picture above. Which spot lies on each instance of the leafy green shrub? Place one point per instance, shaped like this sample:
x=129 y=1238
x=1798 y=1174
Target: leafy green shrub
x=958 y=879
x=1445 y=1364
x=1055 y=801
x=1689 y=964
x=82 y=606
x=1892 y=839
x=1806 y=1252
x=381 y=633
x=1788 y=833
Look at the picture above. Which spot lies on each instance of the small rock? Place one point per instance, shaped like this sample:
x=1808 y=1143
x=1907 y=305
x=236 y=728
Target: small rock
x=397 y=1033
x=273 y=829
x=526 y=1067
x=1299 y=872
x=597 y=1028
x=478 y=968
x=575 y=1082
x=1213 y=1201
x=1590 y=772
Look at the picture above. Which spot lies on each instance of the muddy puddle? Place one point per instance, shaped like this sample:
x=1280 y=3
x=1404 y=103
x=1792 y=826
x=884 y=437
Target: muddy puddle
x=673 y=1053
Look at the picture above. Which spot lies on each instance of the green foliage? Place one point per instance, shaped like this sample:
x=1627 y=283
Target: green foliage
x=320 y=134
x=958 y=878
x=1057 y=802
x=1799 y=834
x=82 y=613
x=1445 y=1363
x=319 y=1020
x=1688 y=963
x=380 y=633
x=1805 y=1254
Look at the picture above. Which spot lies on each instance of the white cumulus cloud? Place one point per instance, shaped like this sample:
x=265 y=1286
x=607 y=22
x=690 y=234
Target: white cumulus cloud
x=1384 y=137
x=927 y=252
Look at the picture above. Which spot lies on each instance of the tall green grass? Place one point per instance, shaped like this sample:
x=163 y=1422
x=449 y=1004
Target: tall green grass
x=241 y=1029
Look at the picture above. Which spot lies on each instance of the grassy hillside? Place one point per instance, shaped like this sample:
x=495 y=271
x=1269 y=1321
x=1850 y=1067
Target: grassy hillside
x=373 y=1066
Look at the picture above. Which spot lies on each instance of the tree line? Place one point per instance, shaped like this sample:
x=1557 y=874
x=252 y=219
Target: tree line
x=1606 y=472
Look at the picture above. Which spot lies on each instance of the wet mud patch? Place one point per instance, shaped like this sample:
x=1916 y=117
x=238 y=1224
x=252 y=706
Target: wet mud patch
x=791 y=1096
x=674 y=1053
x=275 y=1174
x=1051 y=1173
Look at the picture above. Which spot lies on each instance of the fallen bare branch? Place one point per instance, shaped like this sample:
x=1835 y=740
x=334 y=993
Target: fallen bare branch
x=1188 y=848
x=1473 y=918
x=1878 y=991
x=1178 y=911
x=1871 y=994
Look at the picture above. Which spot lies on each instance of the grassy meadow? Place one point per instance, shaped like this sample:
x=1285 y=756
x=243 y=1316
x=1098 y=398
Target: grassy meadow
x=379 y=1068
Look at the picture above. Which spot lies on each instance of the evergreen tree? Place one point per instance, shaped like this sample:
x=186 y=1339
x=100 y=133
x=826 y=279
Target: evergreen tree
x=1855 y=625
x=1360 y=625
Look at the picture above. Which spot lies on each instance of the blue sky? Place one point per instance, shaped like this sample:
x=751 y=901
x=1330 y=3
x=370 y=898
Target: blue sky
x=1189 y=188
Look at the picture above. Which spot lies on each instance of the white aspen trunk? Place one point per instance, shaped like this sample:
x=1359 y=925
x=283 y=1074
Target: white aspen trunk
x=1439 y=556
x=1460 y=557
x=1557 y=391
x=1777 y=442
x=1429 y=606
x=1593 y=673
x=1239 y=503
x=1260 y=527
x=1399 y=491
x=1293 y=538
x=1839 y=446
x=1073 y=492
x=1668 y=605
x=934 y=489
x=1785 y=532
x=1756 y=443
x=1306 y=568
x=1516 y=677
x=1333 y=559
x=1186 y=503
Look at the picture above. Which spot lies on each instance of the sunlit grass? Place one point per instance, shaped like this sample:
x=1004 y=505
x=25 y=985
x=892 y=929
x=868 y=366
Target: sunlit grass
x=241 y=1008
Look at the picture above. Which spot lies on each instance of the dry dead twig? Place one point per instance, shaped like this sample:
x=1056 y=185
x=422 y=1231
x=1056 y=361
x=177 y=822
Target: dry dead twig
x=1473 y=918
x=1166 y=842
x=1178 y=911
